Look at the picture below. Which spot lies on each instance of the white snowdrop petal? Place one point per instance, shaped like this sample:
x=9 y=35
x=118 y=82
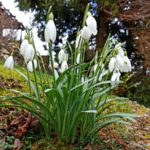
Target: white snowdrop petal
x=86 y=33
x=114 y=77
x=92 y=24
x=56 y=65
x=120 y=52
x=64 y=66
x=35 y=63
x=127 y=65
x=119 y=61
x=30 y=66
x=62 y=56
x=29 y=53
x=112 y=63
x=23 y=46
x=50 y=31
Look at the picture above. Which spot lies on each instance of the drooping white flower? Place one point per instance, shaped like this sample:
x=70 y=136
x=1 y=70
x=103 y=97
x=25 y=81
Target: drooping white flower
x=29 y=53
x=78 y=58
x=62 y=56
x=50 y=31
x=30 y=65
x=64 y=66
x=115 y=77
x=23 y=46
x=112 y=64
x=92 y=24
x=86 y=33
x=126 y=65
x=9 y=63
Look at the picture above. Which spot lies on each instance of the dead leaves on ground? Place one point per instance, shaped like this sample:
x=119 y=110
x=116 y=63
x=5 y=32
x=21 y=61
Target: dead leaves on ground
x=15 y=123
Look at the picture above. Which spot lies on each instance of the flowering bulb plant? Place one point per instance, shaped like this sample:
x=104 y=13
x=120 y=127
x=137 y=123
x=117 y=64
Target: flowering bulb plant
x=71 y=103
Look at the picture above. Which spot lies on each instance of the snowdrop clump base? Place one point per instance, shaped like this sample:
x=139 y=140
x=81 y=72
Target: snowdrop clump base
x=71 y=105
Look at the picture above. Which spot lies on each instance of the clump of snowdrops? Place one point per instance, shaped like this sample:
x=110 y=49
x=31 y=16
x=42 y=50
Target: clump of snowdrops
x=71 y=105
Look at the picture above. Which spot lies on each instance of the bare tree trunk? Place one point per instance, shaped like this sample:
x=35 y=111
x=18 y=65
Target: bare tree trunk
x=102 y=30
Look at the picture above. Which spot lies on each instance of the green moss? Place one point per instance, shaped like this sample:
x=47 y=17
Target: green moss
x=10 y=79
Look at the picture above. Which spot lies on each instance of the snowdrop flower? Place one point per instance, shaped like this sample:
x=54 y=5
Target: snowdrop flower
x=91 y=24
x=126 y=65
x=23 y=46
x=30 y=65
x=78 y=58
x=29 y=53
x=112 y=64
x=64 y=66
x=50 y=31
x=62 y=56
x=115 y=77
x=9 y=63
x=86 y=33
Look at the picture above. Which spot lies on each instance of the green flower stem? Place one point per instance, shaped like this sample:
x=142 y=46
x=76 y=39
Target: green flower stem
x=52 y=65
x=85 y=14
x=36 y=82
x=29 y=84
